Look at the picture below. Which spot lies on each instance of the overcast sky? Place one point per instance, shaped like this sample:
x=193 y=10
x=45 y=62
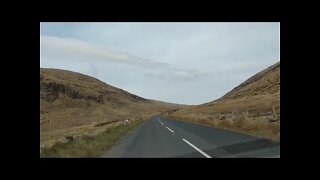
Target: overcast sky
x=187 y=63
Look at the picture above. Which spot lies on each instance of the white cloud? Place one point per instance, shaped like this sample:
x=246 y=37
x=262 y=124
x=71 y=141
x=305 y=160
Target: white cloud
x=186 y=74
x=69 y=48
x=175 y=74
x=77 y=50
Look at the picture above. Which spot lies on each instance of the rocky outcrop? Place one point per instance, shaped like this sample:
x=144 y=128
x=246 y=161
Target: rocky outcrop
x=50 y=92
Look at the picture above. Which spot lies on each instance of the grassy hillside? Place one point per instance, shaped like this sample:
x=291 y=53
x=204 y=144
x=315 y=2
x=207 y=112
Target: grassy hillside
x=75 y=104
x=253 y=107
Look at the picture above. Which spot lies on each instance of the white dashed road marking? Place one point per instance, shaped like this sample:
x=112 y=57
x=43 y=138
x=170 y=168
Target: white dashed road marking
x=160 y=121
x=170 y=129
x=189 y=143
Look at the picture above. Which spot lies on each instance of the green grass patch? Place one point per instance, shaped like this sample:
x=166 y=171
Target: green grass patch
x=89 y=146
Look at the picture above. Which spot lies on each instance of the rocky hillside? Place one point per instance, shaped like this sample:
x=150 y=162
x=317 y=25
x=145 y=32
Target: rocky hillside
x=70 y=100
x=54 y=82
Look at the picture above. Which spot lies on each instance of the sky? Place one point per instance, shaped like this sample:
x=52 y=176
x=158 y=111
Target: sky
x=185 y=63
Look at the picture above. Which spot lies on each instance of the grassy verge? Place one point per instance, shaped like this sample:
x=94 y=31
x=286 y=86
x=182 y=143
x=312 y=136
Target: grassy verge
x=89 y=146
x=251 y=126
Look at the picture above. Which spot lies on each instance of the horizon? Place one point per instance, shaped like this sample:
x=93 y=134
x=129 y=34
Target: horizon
x=151 y=98
x=163 y=61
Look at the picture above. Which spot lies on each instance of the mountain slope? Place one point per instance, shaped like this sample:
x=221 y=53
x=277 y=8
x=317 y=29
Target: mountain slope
x=264 y=82
x=75 y=104
x=252 y=107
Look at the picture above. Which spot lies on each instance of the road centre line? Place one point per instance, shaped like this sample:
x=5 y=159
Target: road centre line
x=169 y=129
x=160 y=121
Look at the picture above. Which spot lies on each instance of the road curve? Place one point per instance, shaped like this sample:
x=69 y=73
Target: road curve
x=162 y=137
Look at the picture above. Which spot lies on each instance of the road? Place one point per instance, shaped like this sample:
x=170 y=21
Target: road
x=161 y=137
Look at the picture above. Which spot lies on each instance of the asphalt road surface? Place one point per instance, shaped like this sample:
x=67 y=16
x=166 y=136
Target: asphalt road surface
x=161 y=137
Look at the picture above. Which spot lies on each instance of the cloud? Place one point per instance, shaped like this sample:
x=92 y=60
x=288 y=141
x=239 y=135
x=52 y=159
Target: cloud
x=53 y=47
x=69 y=48
x=176 y=74
x=186 y=74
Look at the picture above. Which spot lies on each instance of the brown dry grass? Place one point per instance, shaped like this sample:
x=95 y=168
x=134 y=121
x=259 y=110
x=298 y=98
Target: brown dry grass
x=251 y=126
x=264 y=82
x=256 y=96
x=76 y=115
x=89 y=145
x=258 y=105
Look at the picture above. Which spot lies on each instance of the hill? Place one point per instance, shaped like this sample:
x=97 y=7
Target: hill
x=74 y=104
x=253 y=107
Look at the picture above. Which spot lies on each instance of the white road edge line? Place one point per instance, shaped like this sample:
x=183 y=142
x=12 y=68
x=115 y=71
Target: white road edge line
x=196 y=148
x=161 y=123
x=169 y=129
